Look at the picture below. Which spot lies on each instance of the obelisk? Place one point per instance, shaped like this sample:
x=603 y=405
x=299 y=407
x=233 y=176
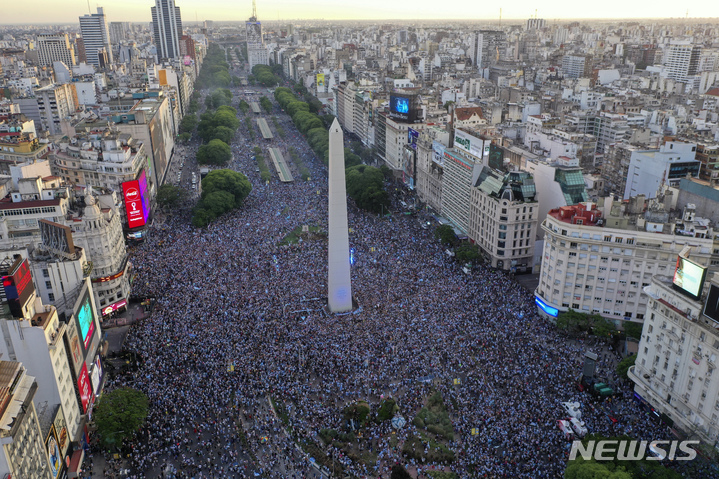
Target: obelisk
x=339 y=286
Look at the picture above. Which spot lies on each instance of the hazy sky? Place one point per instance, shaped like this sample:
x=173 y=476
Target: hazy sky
x=68 y=11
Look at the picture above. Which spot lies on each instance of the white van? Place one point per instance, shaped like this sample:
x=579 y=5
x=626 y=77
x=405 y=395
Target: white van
x=578 y=426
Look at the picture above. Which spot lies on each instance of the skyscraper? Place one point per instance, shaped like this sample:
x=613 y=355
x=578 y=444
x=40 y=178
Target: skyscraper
x=55 y=48
x=256 y=50
x=95 y=37
x=167 y=29
x=487 y=46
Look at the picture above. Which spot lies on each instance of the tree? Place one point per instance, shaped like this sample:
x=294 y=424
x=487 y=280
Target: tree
x=468 y=253
x=188 y=124
x=633 y=330
x=399 y=472
x=218 y=202
x=624 y=365
x=601 y=327
x=365 y=185
x=223 y=133
x=445 y=234
x=184 y=137
x=119 y=414
x=573 y=321
x=244 y=106
x=216 y=152
x=230 y=181
x=266 y=104
x=169 y=196
x=580 y=469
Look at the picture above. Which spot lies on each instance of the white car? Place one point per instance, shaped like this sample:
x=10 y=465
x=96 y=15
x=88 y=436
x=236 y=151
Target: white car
x=578 y=426
x=566 y=428
x=572 y=409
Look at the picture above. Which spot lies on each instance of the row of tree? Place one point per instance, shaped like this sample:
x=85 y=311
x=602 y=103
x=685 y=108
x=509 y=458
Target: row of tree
x=215 y=71
x=265 y=75
x=222 y=191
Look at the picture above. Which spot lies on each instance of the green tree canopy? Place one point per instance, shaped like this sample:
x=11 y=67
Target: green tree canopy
x=365 y=185
x=218 y=202
x=244 y=106
x=169 y=196
x=624 y=365
x=593 y=470
x=227 y=180
x=399 y=472
x=119 y=414
x=216 y=152
x=445 y=234
x=633 y=330
x=468 y=253
x=223 y=133
x=266 y=103
x=188 y=124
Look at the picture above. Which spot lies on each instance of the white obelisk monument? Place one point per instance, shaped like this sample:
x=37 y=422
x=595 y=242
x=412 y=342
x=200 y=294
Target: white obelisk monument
x=339 y=286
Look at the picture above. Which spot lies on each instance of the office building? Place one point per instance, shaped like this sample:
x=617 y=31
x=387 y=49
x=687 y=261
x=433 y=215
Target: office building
x=55 y=48
x=56 y=103
x=675 y=373
x=256 y=50
x=96 y=39
x=166 y=29
x=503 y=218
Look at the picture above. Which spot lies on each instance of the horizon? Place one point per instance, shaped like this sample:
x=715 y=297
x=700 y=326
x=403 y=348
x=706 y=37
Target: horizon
x=63 y=12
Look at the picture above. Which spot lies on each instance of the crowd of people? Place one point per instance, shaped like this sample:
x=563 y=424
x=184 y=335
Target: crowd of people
x=240 y=319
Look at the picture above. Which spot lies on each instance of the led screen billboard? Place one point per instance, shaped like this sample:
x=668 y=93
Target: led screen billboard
x=86 y=318
x=469 y=143
x=402 y=107
x=711 y=308
x=84 y=388
x=144 y=197
x=412 y=136
x=689 y=277
x=18 y=285
x=53 y=453
x=133 y=204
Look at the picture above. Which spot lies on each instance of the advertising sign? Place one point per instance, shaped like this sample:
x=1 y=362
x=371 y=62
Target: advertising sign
x=496 y=157
x=401 y=107
x=711 y=308
x=133 y=204
x=85 y=388
x=73 y=343
x=61 y=432
x=86 y=318
x=144 y=197
x=689 y=277
x=114 y=307
x=469 y=143
x=438 y=153
x=96 y=375
x=53 y=453
x=412 y=136
x=18 y=285
x=320 y=80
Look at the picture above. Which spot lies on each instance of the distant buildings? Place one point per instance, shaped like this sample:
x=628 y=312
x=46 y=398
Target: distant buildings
x=96 y=39
x=166 y=29
x=487 y=47
x=256 y=51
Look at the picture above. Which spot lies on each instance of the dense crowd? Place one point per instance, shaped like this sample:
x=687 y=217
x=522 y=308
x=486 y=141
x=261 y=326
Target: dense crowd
x=240 y=318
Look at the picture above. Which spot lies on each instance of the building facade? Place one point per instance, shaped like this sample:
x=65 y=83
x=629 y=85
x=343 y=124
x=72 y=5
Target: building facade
x=55 y=48
x=166 y=29
x=96 y=38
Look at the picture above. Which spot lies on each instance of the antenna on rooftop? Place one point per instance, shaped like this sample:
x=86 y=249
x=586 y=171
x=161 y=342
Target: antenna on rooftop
x=254 y=10
x=500 y=17
x=88 y=7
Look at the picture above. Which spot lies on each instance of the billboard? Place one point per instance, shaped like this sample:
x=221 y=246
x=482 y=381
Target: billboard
x=61 y=431
x=402 y=108
x=412 y=136
x=53 y=453
x=96 y=375
x=84 y=388
x=689 y=277
x=711 y=308
x=133 y=204
x=86 y=319
x=320 y=80
x=469 y=143
x=73 y=345
x=18 y=285
x=408 y=166
x=496 y=157
x=438 y=153
x=144 y=197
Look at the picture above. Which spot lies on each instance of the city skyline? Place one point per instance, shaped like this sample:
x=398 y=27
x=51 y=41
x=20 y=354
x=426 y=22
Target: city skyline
x=57 y=12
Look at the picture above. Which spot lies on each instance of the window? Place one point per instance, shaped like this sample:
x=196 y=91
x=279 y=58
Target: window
x=45 y=273
x=618 y=240
x=607 y=238
x=48 y=284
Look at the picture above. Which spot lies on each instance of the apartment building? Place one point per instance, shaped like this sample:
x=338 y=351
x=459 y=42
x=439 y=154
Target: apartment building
x=676 y=367
x=599 y=259
x=55 y=48
x=55 y=102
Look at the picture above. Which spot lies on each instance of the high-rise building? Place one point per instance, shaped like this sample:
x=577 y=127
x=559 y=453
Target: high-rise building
x=96 y=37
x=55 y=48
x=536 y=24
x=577 y=66
x=256 y=50
x=166 y=29
x=118 y=32
x=487 y=46
x=681 y=59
